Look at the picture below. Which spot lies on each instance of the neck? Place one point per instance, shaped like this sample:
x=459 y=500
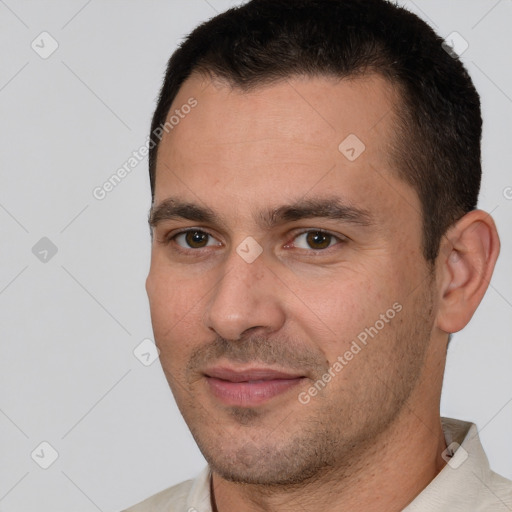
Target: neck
x=389 y=475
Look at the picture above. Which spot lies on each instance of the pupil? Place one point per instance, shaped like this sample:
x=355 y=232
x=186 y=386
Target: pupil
x=318 y=240
x=196 y=239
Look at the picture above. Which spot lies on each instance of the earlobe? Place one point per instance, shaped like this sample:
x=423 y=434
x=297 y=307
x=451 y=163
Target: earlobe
x=467 y=256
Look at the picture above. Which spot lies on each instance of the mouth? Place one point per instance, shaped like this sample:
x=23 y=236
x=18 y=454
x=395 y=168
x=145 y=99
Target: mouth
x=249 y=387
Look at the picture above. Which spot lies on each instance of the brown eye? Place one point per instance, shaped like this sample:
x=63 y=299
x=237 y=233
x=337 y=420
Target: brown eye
x=318 y=239
x=196 y=239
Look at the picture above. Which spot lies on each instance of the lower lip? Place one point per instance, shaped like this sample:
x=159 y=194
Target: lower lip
x=251 y=393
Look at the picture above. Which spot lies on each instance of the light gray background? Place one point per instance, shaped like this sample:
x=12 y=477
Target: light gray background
x=69 y=325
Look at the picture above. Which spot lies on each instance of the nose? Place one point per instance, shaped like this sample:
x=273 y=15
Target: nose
x=246 y=298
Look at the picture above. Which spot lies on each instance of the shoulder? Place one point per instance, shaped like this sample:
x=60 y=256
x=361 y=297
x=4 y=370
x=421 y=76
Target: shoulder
x=466 y=482
x=169 y=500
x=496 y=492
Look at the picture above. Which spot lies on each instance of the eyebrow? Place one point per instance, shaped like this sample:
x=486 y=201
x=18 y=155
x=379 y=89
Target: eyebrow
x=171 y=208
x=330 y=208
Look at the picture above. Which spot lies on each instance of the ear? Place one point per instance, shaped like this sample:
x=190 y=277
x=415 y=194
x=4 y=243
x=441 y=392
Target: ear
x=465 y=264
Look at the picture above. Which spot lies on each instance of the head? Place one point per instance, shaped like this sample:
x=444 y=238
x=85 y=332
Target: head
x=314 y=177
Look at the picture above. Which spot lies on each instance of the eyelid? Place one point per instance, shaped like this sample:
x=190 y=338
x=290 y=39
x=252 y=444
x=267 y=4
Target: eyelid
x=338 y=236
x=169 y=237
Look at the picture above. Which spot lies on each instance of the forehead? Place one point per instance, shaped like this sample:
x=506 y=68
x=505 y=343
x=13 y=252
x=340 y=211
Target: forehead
x=286 y=139
x=317 y=110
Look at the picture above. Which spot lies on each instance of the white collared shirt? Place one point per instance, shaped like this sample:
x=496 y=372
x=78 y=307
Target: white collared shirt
x=465 y=484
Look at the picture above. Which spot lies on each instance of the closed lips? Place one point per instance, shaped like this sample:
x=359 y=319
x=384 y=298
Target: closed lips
x=253 y=375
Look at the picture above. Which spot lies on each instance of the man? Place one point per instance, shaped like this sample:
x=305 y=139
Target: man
x=315 y=242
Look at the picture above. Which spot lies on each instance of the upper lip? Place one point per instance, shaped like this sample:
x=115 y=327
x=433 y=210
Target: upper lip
x=251 y=374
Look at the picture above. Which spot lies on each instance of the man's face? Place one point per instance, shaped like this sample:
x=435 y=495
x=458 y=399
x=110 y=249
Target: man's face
x=289 y=296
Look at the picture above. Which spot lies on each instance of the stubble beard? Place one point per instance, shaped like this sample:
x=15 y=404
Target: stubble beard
x=331 y=436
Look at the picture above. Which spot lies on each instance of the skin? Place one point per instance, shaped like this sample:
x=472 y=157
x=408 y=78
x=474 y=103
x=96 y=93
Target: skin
x=242 y=154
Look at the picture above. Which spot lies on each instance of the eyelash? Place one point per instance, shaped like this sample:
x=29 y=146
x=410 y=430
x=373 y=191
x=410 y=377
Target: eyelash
x=340 y=239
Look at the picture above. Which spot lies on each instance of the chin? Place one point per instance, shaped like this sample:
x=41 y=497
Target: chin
x=251 y=462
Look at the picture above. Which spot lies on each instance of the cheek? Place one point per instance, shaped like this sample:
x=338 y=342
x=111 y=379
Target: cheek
x=175 y=313
x=333 y=315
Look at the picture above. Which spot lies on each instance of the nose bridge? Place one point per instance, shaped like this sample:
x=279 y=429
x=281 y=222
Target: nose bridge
x=239 y=279
x=244 y=298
